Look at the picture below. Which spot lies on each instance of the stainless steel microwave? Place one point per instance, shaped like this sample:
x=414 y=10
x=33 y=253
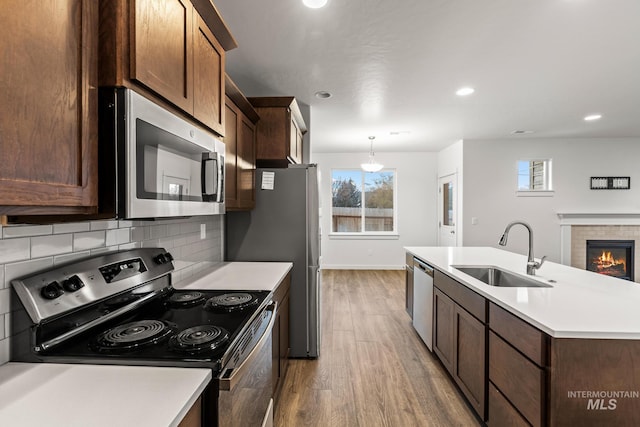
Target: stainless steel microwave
x=155 y=163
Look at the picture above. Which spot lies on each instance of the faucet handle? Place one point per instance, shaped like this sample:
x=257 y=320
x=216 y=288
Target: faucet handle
x=539 y=264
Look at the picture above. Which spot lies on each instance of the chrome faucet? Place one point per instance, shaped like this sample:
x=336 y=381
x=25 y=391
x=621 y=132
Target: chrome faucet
x=532 y=264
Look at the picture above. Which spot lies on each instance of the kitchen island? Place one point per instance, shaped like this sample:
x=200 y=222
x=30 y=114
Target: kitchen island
x=565 y=353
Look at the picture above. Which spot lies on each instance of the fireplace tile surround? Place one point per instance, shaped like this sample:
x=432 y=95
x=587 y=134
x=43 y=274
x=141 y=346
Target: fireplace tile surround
x=576 y=229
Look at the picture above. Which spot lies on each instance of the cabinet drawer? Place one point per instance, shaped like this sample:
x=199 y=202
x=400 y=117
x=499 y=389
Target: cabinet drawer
x=530 y=341
x=501 y=412
x=472 y=302
x=517 y=378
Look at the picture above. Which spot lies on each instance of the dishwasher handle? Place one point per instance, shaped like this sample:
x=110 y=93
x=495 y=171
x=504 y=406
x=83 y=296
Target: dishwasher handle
x=422 y=266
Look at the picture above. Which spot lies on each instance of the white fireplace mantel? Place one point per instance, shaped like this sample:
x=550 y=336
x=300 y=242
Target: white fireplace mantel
x=598 y=218
x=567 y=219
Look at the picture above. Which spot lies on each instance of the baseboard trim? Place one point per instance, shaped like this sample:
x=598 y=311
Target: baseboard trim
x=360 y=267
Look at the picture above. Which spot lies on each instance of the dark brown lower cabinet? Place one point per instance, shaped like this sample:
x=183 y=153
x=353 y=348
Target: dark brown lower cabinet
x=193 y=418
x=280 y=336
x=460 y=344
x=501 y=412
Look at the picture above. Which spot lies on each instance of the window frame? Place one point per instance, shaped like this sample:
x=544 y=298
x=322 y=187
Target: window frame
x=366 y=234
x=547 y=190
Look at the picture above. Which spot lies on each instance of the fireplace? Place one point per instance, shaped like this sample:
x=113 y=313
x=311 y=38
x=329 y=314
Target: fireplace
x=611 y=257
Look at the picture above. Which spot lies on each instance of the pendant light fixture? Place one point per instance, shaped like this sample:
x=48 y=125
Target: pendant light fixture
x=371 y=165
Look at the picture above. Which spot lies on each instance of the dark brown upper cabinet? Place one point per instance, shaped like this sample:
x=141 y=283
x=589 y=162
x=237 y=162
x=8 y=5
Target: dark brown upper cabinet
x=48 y=107
x=279 y=132
x=240 y=150
x=170 y=49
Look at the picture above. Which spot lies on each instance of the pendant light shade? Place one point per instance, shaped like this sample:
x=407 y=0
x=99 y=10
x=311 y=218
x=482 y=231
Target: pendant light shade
x=371 y=165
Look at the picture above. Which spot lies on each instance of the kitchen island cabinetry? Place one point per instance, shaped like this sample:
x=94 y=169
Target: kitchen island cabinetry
x=240 y=150
x=281 y=335
x=167 y=49
x=279 y=132
x=48 y=108
x=565 y=354
x=460 y=337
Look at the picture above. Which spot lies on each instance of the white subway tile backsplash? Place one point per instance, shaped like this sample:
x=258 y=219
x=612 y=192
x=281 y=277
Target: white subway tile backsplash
x=132 y=245
x=117 y=236
x=103 y=225
x=51 y=245
x=7 y=325
x=74 y=227
x=25 y=268
x=158 y=231
x=5 y=297
x=88 y=240
x=3 y=333
x=63 y=259
x=137 y=234
x=2 y=284
x=26 y=231
x=14 y=250
x=4 y=351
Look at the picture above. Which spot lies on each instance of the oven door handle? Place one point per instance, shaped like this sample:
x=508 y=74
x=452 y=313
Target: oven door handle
x=230 y=382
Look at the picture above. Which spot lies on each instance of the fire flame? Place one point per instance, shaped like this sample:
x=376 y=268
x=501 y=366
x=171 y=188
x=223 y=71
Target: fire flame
x=606 y=260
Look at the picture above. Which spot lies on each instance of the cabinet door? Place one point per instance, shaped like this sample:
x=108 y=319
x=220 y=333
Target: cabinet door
x=246 y=163
x=443 y=334
x=162 y=48
x=470 y=370
x=230 y=150
x=208 y=77
x=295 y=149
x=48 y=106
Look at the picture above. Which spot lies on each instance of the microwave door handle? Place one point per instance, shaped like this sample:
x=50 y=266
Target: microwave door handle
x=209 y=176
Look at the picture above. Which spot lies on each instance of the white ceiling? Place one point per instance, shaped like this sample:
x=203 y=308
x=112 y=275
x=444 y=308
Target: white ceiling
x=539 y=65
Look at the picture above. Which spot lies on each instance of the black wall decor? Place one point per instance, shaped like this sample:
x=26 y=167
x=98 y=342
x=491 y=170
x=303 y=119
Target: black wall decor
x=610 y=182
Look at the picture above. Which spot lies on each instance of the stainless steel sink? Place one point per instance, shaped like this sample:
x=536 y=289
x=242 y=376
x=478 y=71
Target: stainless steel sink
x=495 y=276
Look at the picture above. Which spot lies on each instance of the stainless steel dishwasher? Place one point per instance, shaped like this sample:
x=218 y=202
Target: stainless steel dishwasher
x=423 y=301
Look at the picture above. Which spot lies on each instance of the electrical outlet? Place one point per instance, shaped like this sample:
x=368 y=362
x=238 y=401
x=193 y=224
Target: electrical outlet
x=203 y=231
x=474 y=220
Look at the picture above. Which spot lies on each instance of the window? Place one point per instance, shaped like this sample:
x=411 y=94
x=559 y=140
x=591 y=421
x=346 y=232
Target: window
x=534 y=176
x=363 y=202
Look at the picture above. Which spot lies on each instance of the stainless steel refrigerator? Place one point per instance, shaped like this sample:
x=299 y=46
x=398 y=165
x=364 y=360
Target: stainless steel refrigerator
x=284 y=226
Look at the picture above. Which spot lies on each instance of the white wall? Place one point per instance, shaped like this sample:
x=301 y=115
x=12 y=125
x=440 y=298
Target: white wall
x=416 y=176
x=490 y=187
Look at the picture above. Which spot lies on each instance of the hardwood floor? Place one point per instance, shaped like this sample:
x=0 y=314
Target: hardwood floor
x=373 y=368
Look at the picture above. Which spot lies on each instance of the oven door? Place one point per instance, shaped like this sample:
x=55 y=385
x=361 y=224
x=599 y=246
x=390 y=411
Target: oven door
x=245 y=389
x=173 y=167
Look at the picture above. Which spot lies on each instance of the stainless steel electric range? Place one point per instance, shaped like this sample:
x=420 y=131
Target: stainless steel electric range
x=120 y=308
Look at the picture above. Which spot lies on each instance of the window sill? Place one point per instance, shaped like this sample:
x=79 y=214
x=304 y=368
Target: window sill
x=363 y=236
x=548 y=193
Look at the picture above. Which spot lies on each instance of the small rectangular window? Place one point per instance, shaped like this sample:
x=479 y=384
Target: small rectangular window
x=363 y=202
x=534 y=175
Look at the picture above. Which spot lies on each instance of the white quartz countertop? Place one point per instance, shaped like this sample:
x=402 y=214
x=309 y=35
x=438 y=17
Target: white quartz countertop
x=238 y=276
x=580 y=303
x=52 y=395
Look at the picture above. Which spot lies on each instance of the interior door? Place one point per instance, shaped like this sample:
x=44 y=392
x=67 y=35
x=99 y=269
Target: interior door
x=447 y=210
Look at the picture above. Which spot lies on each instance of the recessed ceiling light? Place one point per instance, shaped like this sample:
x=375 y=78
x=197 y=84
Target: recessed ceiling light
x=520 y=132
x=464 y=91
x=323 y=94
x=593 y=117
x=314 y=4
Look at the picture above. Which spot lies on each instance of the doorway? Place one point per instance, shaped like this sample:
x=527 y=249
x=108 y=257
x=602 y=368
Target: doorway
x=447 y=210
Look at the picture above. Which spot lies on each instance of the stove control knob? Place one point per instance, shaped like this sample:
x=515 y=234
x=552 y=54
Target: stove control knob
x=163 y=258
x=51 y=291
x=72 y=284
